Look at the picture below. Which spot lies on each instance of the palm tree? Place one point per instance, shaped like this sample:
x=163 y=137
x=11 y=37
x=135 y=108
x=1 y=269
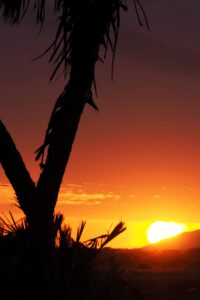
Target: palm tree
x=83 y=27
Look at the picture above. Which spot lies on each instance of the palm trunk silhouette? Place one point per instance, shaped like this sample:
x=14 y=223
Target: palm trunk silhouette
x=60 y=137
x=16 y=172
x=64 y=121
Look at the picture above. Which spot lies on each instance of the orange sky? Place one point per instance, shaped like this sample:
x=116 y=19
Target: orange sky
x=138 y=158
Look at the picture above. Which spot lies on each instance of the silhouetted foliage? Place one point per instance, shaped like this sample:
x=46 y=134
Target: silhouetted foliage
x=76 y=258
x=75 y=20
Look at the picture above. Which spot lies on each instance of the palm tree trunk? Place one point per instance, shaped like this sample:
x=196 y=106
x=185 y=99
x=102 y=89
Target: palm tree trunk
x=63 y=129
x=62 y=137
x=16 y=172
x=85 y=47
x=63 y=132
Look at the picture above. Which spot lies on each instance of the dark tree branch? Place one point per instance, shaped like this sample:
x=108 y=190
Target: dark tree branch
x=59 y=140
x=16 y=171
x=66 y=115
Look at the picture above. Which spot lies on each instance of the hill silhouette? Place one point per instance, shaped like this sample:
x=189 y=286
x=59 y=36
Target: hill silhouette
x=183 y=241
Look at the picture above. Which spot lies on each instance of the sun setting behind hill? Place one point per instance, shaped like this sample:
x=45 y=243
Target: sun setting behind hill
x=134 y=237
x=161 y=230
x=183 y=241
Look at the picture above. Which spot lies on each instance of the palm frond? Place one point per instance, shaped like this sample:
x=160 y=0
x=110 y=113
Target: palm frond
x=118 y=229
x=80 y=231
x=14 y=10
x=98 y=21
x=11 y=226
x=40 y=8
x=102 y=240
x=140 y=11
x=64 y=236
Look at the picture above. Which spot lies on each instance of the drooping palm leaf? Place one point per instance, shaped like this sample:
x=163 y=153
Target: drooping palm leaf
x=101 y=16
x=98 y=19
x=14 y=10
x=80 y=231
x=91 y=14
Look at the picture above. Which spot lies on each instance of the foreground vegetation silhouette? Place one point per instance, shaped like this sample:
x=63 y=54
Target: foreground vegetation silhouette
x=75 y=259
x=33 y=263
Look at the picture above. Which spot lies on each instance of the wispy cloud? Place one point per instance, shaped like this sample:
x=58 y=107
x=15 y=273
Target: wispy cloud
x=156 y=196
x=132 y=196
x=78 y=202
x=72 y=185
x=73 y=194
x=76 y=197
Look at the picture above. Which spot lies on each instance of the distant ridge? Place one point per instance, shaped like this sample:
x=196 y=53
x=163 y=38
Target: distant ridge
x=183 y=241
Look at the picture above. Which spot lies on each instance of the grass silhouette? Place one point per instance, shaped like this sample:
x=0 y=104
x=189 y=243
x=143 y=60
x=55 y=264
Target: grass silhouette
x=77 y=263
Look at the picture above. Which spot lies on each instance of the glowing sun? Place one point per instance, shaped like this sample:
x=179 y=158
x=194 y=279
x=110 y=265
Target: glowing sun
x=162 y=230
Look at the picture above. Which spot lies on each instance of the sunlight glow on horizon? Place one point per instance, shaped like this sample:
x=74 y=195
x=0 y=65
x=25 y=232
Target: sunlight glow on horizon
x=95 y=204
x=161 y=230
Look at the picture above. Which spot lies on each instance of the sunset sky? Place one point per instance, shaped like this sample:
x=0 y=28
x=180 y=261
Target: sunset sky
x=138 y=158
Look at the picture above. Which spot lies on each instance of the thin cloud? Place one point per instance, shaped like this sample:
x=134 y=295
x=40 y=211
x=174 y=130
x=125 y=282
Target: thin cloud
x=132 y=196
x=74 y=185
x=78 y=202
x=73 y=195
x=76 y=197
